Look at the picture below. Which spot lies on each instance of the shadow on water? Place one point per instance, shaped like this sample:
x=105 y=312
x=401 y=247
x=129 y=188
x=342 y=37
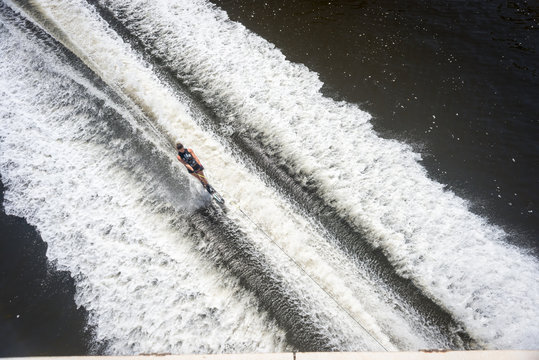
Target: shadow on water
x=219 y=239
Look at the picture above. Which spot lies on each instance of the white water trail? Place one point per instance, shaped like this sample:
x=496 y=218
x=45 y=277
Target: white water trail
x=89 y=37
x=145 y=289
x=428 y=233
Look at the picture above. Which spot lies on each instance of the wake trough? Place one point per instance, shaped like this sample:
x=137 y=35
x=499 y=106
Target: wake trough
x=128 y=223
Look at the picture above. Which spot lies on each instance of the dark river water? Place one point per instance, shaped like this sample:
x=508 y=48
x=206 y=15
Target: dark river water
x=457 y=80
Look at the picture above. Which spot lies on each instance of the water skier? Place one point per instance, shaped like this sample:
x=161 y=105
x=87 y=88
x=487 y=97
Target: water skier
x=188 y=158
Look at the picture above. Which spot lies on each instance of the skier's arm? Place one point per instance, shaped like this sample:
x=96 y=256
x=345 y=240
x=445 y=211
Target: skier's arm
x=189 y=168
x=196 y=157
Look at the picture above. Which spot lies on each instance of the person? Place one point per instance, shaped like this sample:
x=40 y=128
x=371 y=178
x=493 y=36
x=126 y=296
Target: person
x=188 y=158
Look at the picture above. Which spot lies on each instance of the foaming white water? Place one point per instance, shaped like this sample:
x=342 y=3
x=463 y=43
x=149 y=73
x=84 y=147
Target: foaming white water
x=145 y=289
x=428 y=233
x=90 y=38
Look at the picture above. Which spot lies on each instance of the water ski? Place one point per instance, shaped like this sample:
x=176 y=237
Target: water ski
x=216 y=196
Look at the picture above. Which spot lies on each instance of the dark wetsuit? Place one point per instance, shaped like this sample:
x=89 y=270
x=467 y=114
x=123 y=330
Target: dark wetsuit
x=190 y=160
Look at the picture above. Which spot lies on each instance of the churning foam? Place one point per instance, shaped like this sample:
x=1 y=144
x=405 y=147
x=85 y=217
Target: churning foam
x=428 y=233
x=145 y=289
x=345 y=292
x=89 y=37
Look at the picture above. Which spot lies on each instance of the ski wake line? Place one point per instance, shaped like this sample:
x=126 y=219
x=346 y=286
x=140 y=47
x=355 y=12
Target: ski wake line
x=262 y=96
x=108 y=56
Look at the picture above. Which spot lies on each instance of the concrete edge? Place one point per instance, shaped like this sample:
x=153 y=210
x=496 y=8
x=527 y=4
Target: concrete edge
x=421 y=355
